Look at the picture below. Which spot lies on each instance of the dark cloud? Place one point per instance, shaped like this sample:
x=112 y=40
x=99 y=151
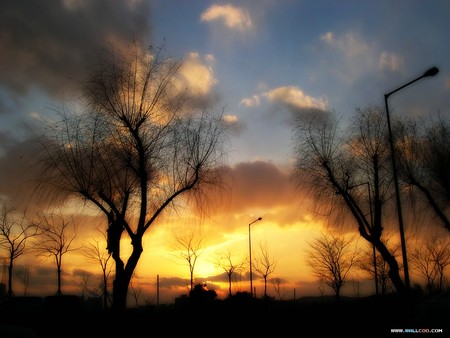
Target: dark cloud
x=248 y=185
x=20 y=176
x=259 y=184
x=290 y=113
x=16 y=167
x=46 y=42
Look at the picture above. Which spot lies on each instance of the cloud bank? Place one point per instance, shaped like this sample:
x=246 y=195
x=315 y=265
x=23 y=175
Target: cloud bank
x=45 y=43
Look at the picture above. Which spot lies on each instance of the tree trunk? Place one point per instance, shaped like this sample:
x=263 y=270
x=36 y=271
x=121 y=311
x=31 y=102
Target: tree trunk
x=393 y=273
x=124 y=273
x=10 y=271
x=58 y=292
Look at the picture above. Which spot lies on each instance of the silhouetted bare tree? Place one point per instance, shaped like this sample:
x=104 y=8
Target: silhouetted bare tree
x=191 y=244
x=264 y=264
x=15 y=231
x=224 y=260
x=136 y=293
x=277 y=283
x=331 y=258
x=96 y=252
x=24 y=276
x=430 y=258
x=349 y=172
x=54 y=239
x=381 y=274
x=83 y=277
x=424 y=159
x=140 y=144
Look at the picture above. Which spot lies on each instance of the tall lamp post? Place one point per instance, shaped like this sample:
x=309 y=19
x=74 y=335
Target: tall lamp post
x=430 y=72
x=250 y=254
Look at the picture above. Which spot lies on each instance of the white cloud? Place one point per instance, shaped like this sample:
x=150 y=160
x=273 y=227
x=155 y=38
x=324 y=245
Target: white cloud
x=390 y=61
x=350 y=43
x=233 y=17
x=230 y=119
x=349 y=57
x=197 y=76
x=328 y=37
x=234 y=124
x=210 y=58
x=295 y=97
x=250 y=101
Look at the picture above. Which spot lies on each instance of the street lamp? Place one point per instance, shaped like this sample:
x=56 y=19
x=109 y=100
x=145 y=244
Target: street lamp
x=250 y=254
x=430 y=72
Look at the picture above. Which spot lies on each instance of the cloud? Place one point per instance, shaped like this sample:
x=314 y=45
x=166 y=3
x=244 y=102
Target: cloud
x=231 y=16
x=21 y=174
x=235 y=126
x=45 y=43
x=291 y=99
x=15 y=165
x=352 y=59
x=390 y=61
x=252 y=101
x=294 y=97
x=230 y=119
x=196 y=76
x=248 y=185
x=350 y=43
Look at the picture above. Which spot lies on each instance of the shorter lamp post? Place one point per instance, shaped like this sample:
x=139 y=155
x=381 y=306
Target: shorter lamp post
x=250 y=254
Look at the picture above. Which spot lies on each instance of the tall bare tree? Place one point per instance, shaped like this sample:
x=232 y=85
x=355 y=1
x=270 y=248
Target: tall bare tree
x=277 y=283
x=24 y=276
x=95 y=251
x=424 y=159
x=141 y=144
x=15 y=231
x=265 y=264
x=191 y=245
x=54 y=240
x=331 y=258
x=225 y=261
x=349 y=172
x=430 y=259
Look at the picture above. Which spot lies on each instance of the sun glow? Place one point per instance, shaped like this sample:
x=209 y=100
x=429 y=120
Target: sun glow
x=204 y=268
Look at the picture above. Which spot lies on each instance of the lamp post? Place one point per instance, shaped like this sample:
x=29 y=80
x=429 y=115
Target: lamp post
x=430 y=72
x=250 y=254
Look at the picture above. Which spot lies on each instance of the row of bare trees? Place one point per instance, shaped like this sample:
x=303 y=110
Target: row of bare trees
x=49 y=236
x=46 y=236
x=191 y=245
x=331 y=256
x=334 y=256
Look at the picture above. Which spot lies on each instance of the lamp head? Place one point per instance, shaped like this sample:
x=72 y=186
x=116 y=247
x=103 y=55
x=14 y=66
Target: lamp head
x=431 y=72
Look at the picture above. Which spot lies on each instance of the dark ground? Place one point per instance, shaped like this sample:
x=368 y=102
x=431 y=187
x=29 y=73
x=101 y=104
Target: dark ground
x=50 y=317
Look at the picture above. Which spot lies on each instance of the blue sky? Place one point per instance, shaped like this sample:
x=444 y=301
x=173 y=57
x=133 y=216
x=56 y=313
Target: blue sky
x=337 y=55
x=263 y=61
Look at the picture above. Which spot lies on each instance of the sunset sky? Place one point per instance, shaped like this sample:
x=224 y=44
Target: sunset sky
x=264 y=62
